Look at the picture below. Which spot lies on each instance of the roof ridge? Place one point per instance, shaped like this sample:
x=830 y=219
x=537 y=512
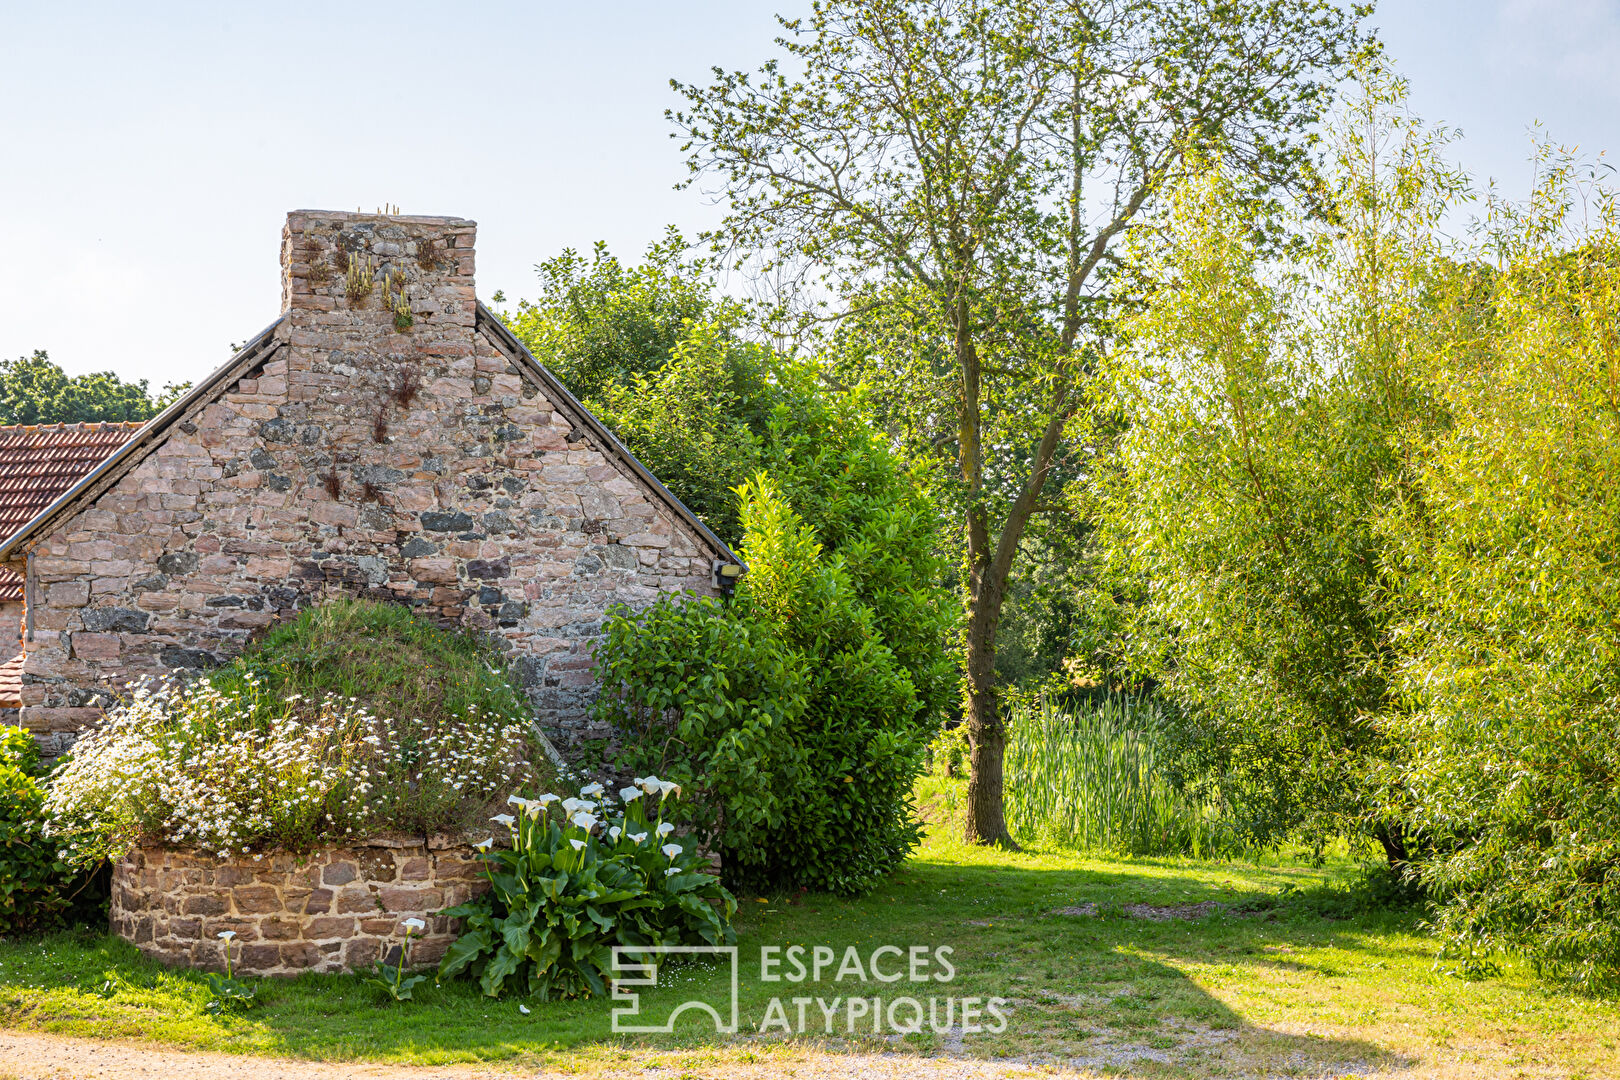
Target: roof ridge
x=64 y=425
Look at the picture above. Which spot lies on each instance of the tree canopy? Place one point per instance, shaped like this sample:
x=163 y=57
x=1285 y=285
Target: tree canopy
x=35 y=390
x=951 y=177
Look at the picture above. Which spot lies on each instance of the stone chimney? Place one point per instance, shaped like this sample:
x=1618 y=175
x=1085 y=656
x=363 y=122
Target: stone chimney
x=359 y=288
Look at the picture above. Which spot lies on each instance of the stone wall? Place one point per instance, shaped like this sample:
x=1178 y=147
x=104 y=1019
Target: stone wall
x=11 y=616
x=334 y=910
x=423 y=465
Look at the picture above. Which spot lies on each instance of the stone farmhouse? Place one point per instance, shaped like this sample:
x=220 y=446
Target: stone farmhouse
x=385 y=436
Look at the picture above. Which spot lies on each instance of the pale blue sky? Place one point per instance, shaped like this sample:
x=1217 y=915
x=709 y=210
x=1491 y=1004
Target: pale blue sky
x=149 y=153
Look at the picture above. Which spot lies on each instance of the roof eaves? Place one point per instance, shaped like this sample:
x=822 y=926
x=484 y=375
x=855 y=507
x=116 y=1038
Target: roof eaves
x=509 y=343
x=251 y=353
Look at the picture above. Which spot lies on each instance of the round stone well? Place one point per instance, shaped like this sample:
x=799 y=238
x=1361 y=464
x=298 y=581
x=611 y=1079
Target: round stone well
x=336 y=909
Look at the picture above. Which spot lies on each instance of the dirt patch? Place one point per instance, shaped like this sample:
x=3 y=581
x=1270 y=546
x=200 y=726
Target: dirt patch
x=27 y=1056
x=1150 y=912
x=1156 y=913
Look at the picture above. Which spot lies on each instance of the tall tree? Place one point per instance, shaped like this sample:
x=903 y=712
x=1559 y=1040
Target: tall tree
x=959 y=171
x=35 y=390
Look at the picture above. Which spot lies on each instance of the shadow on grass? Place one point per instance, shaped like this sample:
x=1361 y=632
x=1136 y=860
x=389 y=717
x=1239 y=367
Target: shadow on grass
x=1099 y=992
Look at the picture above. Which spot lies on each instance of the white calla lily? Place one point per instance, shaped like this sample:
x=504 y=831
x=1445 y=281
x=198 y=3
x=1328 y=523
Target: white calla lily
x=413 y=924
x=672 y=871
x=579 y=845
x=665 y=828
x=671 y=850
x=547 y=799
x=584 y=820
x=638 y=837
x=485 y=844
x=630 y=793
x=504 y=819
x=592 y=789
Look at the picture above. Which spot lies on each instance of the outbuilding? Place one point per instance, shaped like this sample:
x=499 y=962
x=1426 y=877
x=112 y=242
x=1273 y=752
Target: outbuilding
x=385 y=436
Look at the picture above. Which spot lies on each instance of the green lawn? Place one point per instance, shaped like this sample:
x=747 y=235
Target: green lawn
x=1288 y=983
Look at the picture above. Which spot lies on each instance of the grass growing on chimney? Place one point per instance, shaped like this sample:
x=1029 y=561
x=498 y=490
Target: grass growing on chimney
x=396 y=663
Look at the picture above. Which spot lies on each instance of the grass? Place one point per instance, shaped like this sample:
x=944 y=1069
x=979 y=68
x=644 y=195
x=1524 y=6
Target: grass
x=398 y=664
x=1090 y=778
x=1290 y=977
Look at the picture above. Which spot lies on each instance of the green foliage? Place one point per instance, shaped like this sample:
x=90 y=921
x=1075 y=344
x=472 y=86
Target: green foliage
x=951 y=179
x=801 y=710
x=1509 y=552
x=1267 y=406
x=598 y=324
x=573 y=885
x=1094 y=778
x=37 y=884
x=664 y=362
x=696 y=421
x=33 y=390
x=391 y=978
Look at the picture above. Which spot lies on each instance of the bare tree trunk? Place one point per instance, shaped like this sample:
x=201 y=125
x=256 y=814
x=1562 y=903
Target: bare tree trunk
x=987 y=733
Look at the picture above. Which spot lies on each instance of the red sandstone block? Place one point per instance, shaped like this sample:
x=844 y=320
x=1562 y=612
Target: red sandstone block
x=409 y=899
x=299 y=955
x=88 y=646
x=355 y=901
x=326 y=928
x=256 y=899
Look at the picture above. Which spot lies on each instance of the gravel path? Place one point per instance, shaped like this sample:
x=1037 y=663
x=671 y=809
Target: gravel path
x=25 y=1056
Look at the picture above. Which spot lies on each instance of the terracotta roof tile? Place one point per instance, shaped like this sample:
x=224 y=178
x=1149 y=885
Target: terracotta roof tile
x=11 y=683
x=39 y=462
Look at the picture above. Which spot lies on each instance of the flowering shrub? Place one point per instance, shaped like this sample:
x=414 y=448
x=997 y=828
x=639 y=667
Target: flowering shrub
x=576 y=882
x=232 y=773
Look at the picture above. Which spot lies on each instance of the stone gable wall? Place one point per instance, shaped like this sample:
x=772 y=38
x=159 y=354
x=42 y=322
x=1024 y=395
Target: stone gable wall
x=340 y=909
x=423 y=466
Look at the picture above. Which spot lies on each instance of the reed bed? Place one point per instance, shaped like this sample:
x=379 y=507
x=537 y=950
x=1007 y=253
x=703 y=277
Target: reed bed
x=1092 y=778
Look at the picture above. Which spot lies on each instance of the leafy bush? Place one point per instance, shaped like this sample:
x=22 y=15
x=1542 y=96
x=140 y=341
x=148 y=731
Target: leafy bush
x=1269 y=404
x=574 y=884
x=788 y=711
x=233 y=763
x=37 y=884
x=1094 y=778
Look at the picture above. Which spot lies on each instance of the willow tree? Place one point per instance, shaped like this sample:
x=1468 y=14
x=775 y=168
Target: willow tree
x=959 y=172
